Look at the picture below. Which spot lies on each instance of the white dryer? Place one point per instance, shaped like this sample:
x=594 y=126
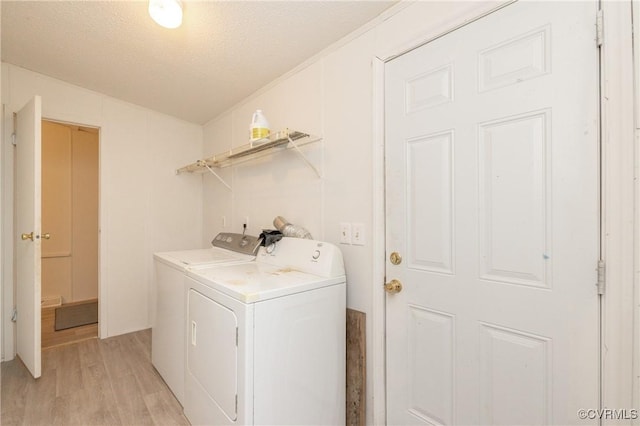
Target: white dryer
x=266 y=339
x=168 y=317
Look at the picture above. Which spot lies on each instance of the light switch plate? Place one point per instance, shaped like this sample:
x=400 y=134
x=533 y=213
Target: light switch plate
x=357 y=234
x=345 y=233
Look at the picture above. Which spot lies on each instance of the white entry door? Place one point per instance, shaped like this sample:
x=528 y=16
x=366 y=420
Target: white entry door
x=492 y=204
x=28 y=243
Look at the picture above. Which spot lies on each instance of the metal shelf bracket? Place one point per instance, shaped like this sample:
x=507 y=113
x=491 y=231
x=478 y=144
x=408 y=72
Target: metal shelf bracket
x=204 y=163
x=304 y=158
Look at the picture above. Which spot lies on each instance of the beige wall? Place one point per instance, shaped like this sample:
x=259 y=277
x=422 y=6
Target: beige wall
x=84 y=213
x=69 y=212
x=56 y=210
x=144 y=206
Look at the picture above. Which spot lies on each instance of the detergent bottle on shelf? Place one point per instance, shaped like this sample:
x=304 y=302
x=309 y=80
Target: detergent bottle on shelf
x=259 y=126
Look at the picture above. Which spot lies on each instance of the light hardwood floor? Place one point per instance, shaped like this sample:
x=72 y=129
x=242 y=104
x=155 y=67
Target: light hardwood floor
x=92 y=382
x=51 y=337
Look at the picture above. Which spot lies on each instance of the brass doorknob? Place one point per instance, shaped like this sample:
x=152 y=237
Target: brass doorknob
x=392 y=287
x=28 y=236
x=46 y=236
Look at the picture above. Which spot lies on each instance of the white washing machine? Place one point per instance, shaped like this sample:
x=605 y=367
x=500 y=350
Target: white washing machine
x=266 y=339
x=168 y=319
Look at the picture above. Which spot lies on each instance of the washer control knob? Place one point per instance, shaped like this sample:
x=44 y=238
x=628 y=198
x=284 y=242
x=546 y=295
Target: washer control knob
x=316 y=254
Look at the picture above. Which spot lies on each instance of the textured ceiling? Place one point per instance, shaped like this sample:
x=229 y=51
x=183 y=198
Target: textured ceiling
x=223 y=52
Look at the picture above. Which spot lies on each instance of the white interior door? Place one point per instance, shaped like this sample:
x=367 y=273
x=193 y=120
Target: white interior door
x=28 y=242
x=493 y=205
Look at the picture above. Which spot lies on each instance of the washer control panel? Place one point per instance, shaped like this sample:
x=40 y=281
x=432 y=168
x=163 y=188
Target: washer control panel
x=246 y=244
x=301 y=254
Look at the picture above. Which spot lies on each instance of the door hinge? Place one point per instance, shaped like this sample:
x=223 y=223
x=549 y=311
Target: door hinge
x=15 y=127
x=599 y=28
x=236 y=337
x=601 y=277
x=14 y=315
x=236 y=403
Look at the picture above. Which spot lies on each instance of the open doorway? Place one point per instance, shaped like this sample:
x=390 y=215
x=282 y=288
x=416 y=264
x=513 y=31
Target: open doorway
x=70 y=206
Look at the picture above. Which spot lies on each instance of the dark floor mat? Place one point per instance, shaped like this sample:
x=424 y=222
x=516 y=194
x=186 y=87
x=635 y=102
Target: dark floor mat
x=76 y=315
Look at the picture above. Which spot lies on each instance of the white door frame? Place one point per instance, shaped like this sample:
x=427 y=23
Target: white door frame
x=636 y=349
x=620 y=227
x=620 y=233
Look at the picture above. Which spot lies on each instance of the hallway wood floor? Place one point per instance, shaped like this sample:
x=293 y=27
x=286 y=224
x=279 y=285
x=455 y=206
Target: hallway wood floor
x=51 y=337
x=93 y=382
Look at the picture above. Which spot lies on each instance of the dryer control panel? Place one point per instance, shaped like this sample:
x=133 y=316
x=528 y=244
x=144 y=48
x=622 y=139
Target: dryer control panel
x=245 y=244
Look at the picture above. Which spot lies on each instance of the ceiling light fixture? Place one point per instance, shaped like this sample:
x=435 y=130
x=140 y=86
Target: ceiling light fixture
x=167 y=13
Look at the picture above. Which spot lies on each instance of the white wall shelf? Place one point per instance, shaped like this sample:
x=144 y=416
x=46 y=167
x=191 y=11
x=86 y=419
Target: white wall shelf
x=276 y=142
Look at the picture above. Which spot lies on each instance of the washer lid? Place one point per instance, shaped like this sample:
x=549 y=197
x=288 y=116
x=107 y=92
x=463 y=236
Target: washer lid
x=255 y=281
x=202 y=257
